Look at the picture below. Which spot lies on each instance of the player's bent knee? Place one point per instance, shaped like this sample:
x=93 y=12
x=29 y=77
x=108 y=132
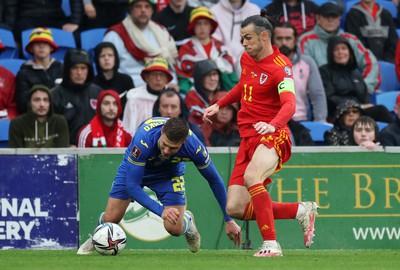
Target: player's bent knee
x=234 y=211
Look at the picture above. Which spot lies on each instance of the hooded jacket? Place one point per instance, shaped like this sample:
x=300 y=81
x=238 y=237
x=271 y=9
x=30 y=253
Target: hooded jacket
x=340 y=134
x=302 y=15
x=111 y=134
x=198 y=98
x=315 y=42
x=342 y=82
x=121 y=83
x=31 y=74
x=77 y=102
x=27 y=132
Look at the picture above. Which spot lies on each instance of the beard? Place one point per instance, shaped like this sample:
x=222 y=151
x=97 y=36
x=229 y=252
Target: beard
x=286 y=51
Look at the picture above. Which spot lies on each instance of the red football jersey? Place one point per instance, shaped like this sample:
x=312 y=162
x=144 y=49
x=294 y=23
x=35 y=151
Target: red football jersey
x=265 y=91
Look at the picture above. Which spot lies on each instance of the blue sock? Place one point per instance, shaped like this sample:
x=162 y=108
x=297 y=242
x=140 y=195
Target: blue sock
x=101 y=219
x=186 y=222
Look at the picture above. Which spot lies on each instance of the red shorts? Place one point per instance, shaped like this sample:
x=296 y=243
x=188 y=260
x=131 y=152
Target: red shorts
x=280 y=140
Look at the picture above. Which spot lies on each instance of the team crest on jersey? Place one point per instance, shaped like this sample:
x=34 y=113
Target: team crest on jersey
x=288 y=70
x=93 y=103
x=253 y=74
x=135 y=152
x=263 y=78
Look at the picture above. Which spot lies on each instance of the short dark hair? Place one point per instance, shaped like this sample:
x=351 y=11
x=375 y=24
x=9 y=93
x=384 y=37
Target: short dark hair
x=176 y=129
x=261 y=22
x=365 y=120
x=287 y=25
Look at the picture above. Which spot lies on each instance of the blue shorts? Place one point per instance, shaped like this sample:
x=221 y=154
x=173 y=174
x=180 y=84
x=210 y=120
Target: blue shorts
x=168 y=191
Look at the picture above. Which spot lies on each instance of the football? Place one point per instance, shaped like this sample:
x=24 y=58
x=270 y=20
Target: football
x=109 y=239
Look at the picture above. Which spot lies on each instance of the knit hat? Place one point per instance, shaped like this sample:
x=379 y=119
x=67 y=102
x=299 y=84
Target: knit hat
x=41 y=34
x=201 y=13
x=156 y=64
x=2 y=47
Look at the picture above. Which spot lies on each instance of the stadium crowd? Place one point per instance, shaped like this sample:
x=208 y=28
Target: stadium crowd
x=193 y=48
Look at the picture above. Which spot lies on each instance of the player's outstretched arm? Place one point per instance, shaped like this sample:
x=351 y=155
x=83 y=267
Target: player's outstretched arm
x=210 y=111
x=234 y=232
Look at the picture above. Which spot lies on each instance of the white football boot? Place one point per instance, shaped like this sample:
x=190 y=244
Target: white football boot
x=87 y=247
x=192 y=235
x=307 y=221
x=269 y=249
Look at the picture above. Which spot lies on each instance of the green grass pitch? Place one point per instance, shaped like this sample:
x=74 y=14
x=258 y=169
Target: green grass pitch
x=205 y=259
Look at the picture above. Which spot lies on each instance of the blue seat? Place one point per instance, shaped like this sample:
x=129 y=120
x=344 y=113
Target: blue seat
x=7 y=38
x=381 y=125
x=388 y=99
x=321 y=2
x=317 y=130
x=388 y=77
x=66 y=6
x=65 y=40
x=4 y=127
x=90 y=39
x=261 y=3
x=12 y=65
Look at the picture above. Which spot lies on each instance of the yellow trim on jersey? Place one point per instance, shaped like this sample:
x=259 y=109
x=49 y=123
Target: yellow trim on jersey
x=203 y=167
x=279 y=61
x=287 y=85
x=136 y=163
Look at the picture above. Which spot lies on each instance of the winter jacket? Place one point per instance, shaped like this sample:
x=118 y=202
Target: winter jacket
x=31 y=74
x=379 y=34
x=314 y=43
x=342 y=82
x=77 y=102
x=390 y=135
x=27 y=132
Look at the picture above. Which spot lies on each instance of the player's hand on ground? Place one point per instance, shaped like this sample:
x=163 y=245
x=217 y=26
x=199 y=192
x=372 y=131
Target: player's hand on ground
x=234 y=232
x=171 y=215
x=210 y=111
x=264 y=128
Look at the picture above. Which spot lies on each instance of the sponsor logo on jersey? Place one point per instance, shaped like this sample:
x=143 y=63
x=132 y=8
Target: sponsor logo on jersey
x=144 y=144
x=263 y=78
x=198 y=149
x=244 y=71
x=135 y=152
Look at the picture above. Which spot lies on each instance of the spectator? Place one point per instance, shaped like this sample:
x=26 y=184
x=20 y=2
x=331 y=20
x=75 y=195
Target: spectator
x=390 y=135
x=27 y=14
x=4 y=15
x=346 y=114
x=229 y=14
x=42 y=69
x=374 y=27
x=206 y=84
x=76 y=97
x=300 y=13
x=107 y=64
x=170 y=104
x=140 y=100
x=40 y=127
x=342 y=81
x=8 y=107
x=397 y=60
x=202 y=46
x=365 y=132
x=105 y=129
x=307 y=78
x=224 y=130
x=138 y=38
x=175 y=17
x=314 y=43
x=103 y=13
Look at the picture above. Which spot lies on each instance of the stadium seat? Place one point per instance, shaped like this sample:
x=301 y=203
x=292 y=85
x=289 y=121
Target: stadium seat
x=66 y=7
x=4 y=127
x=321 y=2
x=317 y=130
x=63 y=39
x=389 y=77
x=7 y=38
x=388 y=99
x=398 y=32
x=90 y=39
x=381 y=125
x=12 y=65
x=261 y=3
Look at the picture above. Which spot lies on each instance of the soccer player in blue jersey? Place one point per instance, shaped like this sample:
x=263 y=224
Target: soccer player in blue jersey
x=156 y=158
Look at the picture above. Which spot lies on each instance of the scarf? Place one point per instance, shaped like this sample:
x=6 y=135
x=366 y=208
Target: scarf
x=98 y=134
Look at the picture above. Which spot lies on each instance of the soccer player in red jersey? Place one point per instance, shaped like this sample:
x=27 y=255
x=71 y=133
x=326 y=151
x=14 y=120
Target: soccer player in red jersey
x=267 y=96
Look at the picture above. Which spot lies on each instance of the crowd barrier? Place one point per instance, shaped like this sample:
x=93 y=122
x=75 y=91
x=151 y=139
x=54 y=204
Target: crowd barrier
x=51 y=199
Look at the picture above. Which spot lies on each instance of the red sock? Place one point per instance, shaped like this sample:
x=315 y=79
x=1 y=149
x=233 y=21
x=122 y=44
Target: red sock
x=263 y=209
x=280 y=210
x=285 y=210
